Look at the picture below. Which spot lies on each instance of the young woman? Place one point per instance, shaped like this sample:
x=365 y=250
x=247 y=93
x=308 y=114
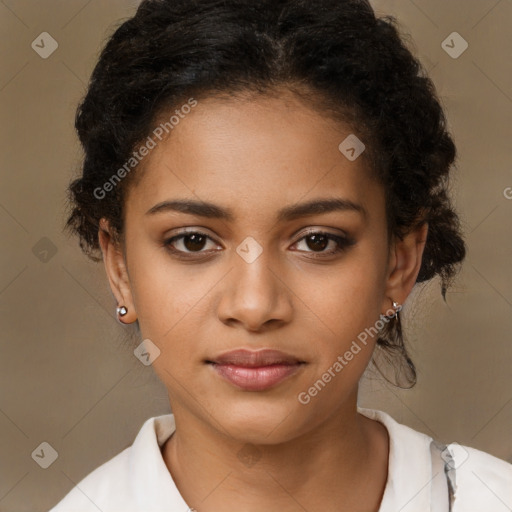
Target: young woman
x=266 y=182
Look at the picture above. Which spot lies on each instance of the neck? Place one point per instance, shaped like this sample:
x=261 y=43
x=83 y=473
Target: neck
x=340 y=465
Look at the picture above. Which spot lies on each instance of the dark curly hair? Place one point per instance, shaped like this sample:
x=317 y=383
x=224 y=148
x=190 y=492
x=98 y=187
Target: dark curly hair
x=335 y=54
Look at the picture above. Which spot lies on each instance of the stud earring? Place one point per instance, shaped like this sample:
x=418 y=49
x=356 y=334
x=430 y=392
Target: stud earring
x=121 y=311
x=397 y=307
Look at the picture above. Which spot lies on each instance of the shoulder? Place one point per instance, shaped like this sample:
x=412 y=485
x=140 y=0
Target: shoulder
x=481 y=481
x=135 y=479
x=95 y=491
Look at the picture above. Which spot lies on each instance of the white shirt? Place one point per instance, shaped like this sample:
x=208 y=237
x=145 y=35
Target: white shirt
x=137 y=479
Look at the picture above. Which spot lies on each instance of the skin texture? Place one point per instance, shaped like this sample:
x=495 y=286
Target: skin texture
x=256 y=156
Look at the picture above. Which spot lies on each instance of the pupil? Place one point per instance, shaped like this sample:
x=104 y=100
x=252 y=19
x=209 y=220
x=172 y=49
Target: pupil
x=198 y=240
x=319 y=242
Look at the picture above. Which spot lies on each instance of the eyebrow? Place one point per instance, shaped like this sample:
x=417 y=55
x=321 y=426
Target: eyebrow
x=288 y=213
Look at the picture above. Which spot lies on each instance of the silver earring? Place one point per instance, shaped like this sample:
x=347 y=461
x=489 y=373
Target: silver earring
x=397 y=307
x=121 y=311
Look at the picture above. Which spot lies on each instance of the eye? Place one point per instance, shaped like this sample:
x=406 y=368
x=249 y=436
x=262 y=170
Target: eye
x=194 y=242
x=188 y=243
x=318 y=241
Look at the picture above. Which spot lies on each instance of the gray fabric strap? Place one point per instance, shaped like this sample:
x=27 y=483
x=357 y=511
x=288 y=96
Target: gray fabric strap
x=442 y=495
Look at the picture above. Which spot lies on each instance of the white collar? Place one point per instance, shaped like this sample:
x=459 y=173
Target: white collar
x=407 y=488
x=409 y=468
x=149 y=479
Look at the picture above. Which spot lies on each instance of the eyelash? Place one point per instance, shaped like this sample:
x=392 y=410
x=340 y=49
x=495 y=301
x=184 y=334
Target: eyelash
x=343 y=242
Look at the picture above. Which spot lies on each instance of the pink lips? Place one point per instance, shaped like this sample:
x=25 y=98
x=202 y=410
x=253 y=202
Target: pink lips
x=255 y=371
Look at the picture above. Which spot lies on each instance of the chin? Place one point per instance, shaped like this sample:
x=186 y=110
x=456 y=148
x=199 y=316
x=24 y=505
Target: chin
x=261 y=422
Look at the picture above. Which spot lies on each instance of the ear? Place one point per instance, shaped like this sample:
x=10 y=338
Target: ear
x=404 y=266
x=115 y=267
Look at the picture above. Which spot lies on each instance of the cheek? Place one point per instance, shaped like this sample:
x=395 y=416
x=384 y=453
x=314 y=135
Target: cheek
x=342 y=331
x=348 y=299
x=163 y=294
x=172 y=308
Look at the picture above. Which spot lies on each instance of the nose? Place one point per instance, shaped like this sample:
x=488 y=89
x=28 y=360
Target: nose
x=255 y=295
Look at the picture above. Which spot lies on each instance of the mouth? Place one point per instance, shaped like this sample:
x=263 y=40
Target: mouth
x=255 y=370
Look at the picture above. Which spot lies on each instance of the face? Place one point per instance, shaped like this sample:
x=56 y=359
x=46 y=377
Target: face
x=260 y=268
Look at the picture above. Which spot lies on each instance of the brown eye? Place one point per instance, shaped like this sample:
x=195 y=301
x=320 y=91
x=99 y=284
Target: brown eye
x=194 y=242
x=317 y=242
x=187 y=243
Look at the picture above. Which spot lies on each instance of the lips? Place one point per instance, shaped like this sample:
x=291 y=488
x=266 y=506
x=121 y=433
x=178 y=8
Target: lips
x=251 y=359
x=255 y=371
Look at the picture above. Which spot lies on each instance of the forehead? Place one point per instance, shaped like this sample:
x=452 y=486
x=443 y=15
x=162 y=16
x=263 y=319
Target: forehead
x=252 y=155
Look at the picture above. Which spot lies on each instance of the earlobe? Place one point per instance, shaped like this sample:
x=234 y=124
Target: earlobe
x=115 y=268
x=404 y=265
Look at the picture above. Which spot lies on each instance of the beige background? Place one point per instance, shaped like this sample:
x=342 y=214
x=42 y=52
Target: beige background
x=66 y=375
